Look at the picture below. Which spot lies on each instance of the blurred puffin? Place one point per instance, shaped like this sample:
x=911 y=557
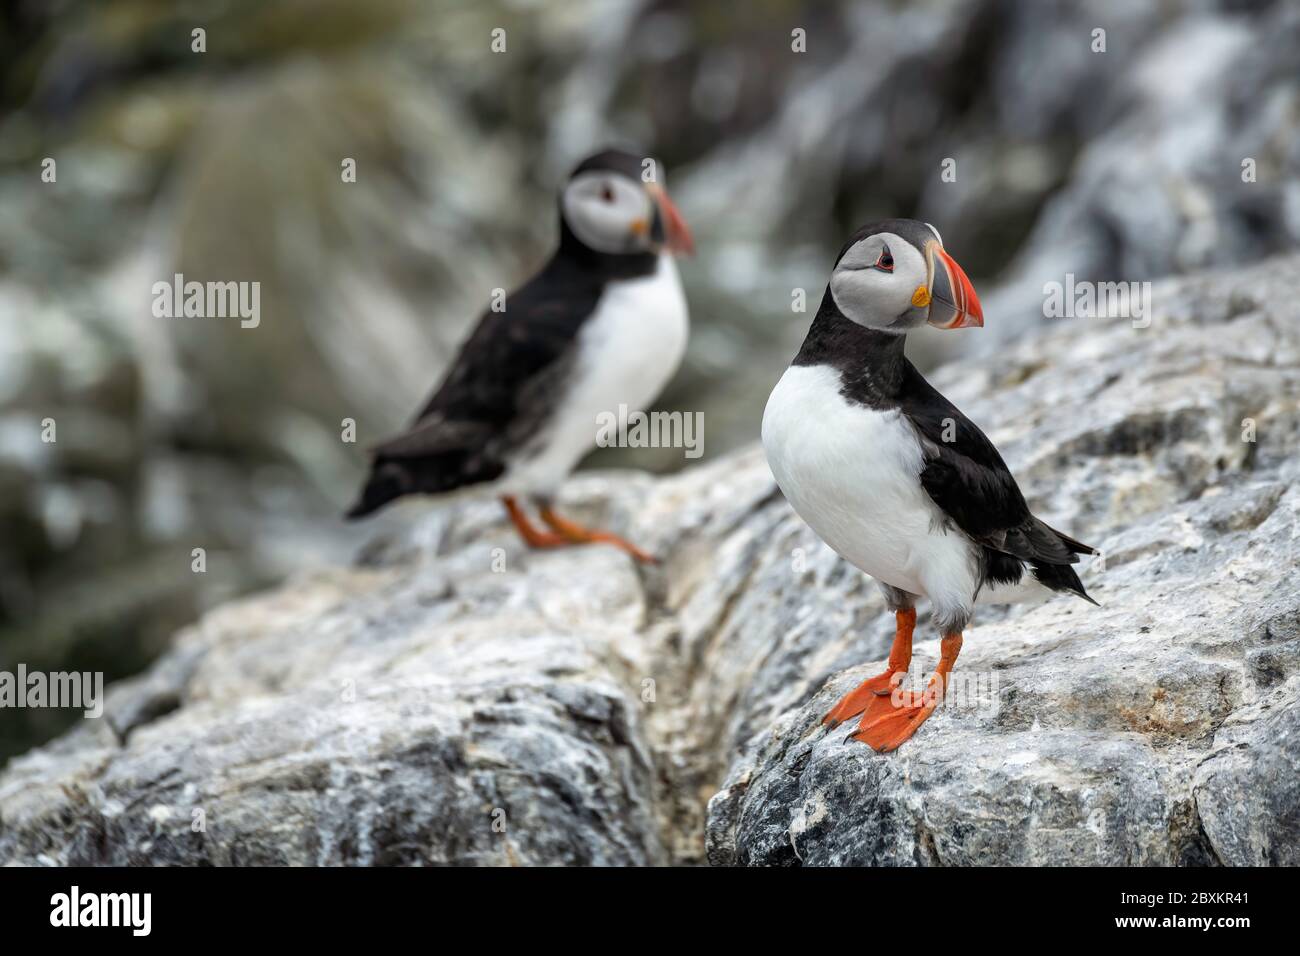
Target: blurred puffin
x=893 y=477
x=603 y=323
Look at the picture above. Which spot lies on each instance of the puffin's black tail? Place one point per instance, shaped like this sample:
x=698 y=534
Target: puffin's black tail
x=428 y=475
x=388 y=480
x=1060 y=577
x=1078 y=547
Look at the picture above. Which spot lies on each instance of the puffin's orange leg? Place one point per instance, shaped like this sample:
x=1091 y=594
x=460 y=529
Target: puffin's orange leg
x=885 y=726
x=534 y=537
x=575 y=533
x=872 y=689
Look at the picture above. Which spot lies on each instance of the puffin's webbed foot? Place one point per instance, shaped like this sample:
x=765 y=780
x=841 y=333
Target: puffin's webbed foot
x=861 y=698
x=873 y=689
x=533 y=536
x=886 y=725
x=889 y=721
x=575 y=533
x=565 y=532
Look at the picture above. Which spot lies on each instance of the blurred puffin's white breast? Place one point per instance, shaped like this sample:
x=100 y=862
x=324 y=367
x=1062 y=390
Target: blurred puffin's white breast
x=625 y=354
x=853 y=474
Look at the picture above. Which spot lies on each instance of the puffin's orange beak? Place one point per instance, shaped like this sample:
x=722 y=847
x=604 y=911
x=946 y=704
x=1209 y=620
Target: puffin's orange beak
x=677 y=235
x=953 y=302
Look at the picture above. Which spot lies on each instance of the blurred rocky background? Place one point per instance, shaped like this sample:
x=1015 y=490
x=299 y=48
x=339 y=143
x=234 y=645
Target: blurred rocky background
x=176 y=434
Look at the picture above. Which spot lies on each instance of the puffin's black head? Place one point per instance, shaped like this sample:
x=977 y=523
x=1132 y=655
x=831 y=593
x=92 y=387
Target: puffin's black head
x=610 y=207
x=894 y=276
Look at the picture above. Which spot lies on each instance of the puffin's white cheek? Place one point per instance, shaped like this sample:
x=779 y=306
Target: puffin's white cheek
x=608 y=221
x=847 y=298
x=602 y=226
x=868 y=297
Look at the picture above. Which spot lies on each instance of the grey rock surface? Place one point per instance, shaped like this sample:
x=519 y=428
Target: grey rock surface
x=456 y=699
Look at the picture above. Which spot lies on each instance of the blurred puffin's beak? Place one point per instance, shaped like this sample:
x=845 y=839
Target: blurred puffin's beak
x=677 y=235
x=953 y=303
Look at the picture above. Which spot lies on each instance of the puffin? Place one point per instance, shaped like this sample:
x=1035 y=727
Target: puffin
x=893 y=477
x=603 y=324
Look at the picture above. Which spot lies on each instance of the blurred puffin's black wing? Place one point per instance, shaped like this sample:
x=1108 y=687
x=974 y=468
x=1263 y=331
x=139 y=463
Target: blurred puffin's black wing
x=967 y=478
x=498 y=393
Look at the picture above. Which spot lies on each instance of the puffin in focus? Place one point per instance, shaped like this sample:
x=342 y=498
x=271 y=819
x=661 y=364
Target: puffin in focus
x=893 y=477
x=603 y=324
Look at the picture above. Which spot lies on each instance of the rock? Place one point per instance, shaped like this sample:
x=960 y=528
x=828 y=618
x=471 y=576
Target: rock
x=456 y=699
x=369 y=717
x=1162 y=182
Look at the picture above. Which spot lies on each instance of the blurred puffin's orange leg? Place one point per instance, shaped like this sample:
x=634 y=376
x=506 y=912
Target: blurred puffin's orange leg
x=575 y=533
x=884 y=728
x=533 y=537
x=878 y=687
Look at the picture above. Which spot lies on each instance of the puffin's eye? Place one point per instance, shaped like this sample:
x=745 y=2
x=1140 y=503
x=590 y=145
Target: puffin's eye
x=606 y=194
x=886 y=261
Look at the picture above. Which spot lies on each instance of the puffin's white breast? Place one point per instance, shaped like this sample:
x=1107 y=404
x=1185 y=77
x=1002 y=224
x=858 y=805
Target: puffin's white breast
x=853 y=474
x=625 y=354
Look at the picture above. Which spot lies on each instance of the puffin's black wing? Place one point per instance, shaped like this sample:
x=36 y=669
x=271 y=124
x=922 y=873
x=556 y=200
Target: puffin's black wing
x=498 y=392
x=966 y=477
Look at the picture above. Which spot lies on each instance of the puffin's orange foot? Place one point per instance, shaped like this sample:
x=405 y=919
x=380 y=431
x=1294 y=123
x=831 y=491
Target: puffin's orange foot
x=871 y=691
x=861 y=698
x=533 y=537
x=575 y=533
x=889 y=721
x=884 y=727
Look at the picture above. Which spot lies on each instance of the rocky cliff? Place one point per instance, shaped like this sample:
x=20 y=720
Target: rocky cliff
x=456 y=699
